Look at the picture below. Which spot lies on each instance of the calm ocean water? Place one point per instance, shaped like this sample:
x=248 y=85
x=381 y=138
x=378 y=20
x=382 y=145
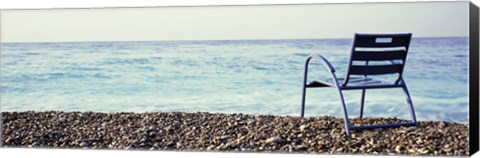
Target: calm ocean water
x=251 y=76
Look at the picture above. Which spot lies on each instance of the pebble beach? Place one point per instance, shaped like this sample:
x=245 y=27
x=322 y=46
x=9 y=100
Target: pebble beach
x=203 y=131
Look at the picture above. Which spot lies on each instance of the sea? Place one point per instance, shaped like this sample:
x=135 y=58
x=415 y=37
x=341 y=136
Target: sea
x=257 y=77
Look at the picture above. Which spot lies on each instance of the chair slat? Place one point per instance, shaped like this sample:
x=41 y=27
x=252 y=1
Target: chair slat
x=378 y=56
x=375 y=69
x=376 y=41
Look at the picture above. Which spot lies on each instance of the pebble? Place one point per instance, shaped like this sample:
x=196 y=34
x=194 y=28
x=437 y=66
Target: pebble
x=399 y=148
x=83 y=144
x=303 y=127
x=300 y=147
x=273 y=140
x=224 y=137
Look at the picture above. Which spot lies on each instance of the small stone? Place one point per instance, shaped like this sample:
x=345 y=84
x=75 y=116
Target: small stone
x=224 y=137
x=273 y=140
x=83 y=144
x=179 y=145
x=36 y=143
x=246 y=149
x=423 y=151
x=441 y=124
x=171 y=144
x=8 y=140
x=210 y=148
x=411 y=151
x=300 y=147
x=303 y=127
x=399 y=148
x=320 y=146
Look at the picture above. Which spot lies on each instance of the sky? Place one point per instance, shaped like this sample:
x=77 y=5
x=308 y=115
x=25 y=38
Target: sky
x=423 y=19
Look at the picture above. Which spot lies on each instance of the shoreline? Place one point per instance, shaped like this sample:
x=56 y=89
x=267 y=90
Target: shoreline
x=202 y=131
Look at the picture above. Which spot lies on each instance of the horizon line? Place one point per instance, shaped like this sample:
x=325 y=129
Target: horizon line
x=181 y=40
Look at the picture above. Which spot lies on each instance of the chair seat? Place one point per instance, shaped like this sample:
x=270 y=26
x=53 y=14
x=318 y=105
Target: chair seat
x=354 y=83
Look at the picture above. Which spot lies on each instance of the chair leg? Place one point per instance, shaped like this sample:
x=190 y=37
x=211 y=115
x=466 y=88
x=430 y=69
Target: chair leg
x=362 y=103
x=302 y=108
x=345 y=114
x=304 y=92
x=409 y=101
x=412 y=112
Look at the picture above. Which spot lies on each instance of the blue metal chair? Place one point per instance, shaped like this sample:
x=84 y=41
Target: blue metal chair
x=373 y=48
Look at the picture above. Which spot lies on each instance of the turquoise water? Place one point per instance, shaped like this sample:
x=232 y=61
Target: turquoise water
x=247 y=76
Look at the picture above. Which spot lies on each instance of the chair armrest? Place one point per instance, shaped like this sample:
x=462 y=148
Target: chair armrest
x=322 y=60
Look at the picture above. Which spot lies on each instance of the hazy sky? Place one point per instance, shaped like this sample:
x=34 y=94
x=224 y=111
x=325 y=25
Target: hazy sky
x=424 y=19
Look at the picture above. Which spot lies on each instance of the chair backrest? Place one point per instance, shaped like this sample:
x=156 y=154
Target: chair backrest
x=389 y=49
